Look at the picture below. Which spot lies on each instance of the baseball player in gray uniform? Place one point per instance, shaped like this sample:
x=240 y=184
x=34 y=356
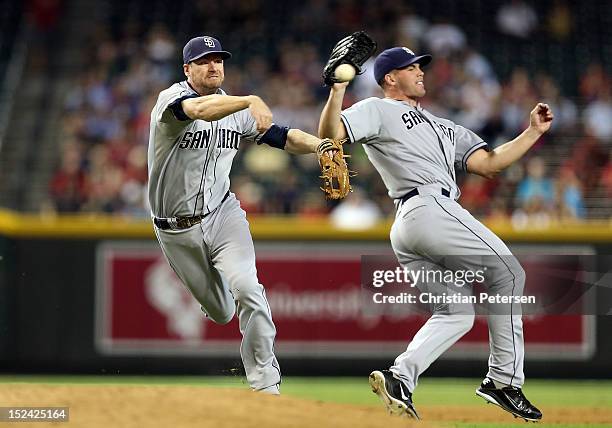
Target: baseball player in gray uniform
x=416 y=154
x=195 y=132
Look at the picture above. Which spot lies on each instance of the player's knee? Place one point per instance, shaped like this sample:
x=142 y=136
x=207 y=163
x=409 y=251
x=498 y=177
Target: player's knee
x=226 y=320
x=245 y=287
x=222 y=317
x=517 y=279
x=509 y=278
x=465 y=322
x=218 y=308
x=519 y=274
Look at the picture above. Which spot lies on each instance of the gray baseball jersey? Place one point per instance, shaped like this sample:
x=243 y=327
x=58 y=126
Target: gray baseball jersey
x=413 y=149
x=408 y=145
x=189 y=166
x=190 y=161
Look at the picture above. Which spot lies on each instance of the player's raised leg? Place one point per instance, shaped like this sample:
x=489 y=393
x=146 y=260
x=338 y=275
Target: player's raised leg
x=233 y=255
x=188 y=256
x=448 y=323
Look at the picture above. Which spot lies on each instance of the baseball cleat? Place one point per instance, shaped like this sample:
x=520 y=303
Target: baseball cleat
x=509 y=398
x=271 y=390
x=394 y=395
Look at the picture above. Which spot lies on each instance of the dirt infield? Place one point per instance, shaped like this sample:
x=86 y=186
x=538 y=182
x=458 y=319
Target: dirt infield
x=146 y=406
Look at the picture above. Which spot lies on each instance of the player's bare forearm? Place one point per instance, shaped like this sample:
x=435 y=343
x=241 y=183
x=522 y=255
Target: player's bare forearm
x=330 y=125
x=215 y=107
x=300 y=142
x=489 y=164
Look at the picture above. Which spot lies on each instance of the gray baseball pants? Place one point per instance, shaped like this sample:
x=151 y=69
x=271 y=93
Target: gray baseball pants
x=216 y=261
x=435 y=232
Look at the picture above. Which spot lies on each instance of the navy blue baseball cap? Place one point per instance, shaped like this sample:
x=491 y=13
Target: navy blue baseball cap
x=394 y=58
x=200 y=46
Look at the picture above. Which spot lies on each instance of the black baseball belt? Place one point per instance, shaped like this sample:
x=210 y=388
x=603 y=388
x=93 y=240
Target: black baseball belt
x=178 y=223
x=414 y=192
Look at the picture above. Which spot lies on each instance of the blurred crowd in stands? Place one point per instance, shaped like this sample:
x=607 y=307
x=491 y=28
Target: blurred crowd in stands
x=103 y=165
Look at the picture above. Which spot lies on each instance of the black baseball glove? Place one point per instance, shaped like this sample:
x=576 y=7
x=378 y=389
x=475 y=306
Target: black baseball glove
x=354 y=50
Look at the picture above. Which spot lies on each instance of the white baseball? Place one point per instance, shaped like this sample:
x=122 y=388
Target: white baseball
x=344 y=72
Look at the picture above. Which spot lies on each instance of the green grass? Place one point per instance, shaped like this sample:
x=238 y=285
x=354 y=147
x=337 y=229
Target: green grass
x=431 y=391
x=453 y=391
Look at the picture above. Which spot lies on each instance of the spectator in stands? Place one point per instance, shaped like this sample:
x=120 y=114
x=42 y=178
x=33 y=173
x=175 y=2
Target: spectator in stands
x=566 y=112
x=105 y=181
x=536 y=190
x=535 y=198
x=475 y=194
x=109 y=104
x=587 y=158
x=312 y=205
x=517 y=19
x=443 y=38
x=160 y=46
x=518 y=97
x=288 y=193
x=477 y=65
x=356 y=212
x=560 y=20
x=597 y=116
x=593 y=82
x=476 y=101
x=250 y=193
x=493 y=130
x=68 y=187
x=410 y=29
x=534 y=213
x=570 y=204
x=133 y=188
x=498 y=211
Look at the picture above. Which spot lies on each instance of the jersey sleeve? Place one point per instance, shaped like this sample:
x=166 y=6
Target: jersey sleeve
x=169 y=105
x=466 y=143
x=248 y=126
x=362 y=121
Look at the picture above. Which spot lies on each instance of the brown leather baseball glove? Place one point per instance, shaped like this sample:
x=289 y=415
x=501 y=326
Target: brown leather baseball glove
x=334 y=170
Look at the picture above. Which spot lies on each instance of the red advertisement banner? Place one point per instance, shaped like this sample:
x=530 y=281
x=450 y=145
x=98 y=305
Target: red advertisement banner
x=316 y=300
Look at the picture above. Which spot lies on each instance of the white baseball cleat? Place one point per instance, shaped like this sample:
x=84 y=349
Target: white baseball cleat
x=271 y=390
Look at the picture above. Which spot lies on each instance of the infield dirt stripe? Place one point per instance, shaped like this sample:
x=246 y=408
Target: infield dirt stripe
x=144 y=406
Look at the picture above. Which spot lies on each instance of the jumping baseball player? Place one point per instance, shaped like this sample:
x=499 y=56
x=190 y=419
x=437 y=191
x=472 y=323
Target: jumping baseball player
x=196 y=130
x=415 y=153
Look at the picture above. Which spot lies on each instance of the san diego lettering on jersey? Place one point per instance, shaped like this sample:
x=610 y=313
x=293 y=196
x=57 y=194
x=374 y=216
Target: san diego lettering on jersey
x=412 y=119
x=226 y=139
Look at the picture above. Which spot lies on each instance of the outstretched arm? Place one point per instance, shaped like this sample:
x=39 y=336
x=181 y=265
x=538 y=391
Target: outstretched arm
x=489 y=164
x=330 y=125
x=215 y=107
x=300 y=142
